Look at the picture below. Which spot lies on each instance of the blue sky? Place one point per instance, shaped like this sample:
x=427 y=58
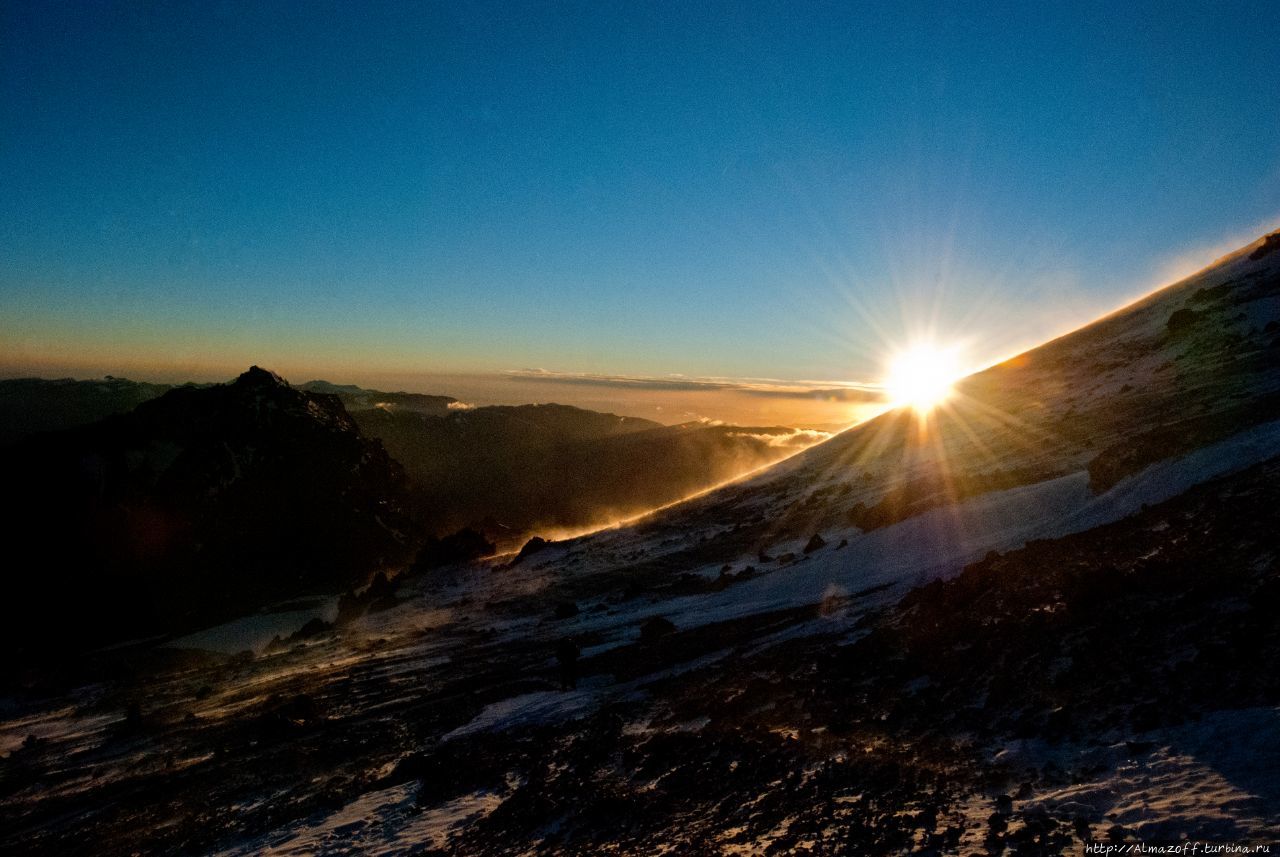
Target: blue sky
x=767 y=191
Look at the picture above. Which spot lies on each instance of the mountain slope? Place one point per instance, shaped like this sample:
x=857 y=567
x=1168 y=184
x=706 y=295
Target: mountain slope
x=1104 y=500
x=517 y=470
x=1085 y=415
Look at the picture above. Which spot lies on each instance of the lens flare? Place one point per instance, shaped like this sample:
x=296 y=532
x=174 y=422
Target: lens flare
x=922 y=376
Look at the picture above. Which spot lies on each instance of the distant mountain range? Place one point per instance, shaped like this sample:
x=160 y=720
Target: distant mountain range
x=513 y=471
x=157 y=508
x=357 y=398
x=31 y=405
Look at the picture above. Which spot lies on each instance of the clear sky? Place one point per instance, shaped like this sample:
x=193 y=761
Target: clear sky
x=780 y=191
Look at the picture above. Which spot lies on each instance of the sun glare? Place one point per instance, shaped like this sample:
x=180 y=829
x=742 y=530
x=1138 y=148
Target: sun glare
x=921 y=376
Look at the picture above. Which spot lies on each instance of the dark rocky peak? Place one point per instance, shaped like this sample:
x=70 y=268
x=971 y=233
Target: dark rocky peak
x=257 y=400
x=259 y=378
x=263 y=396
x=205 y=502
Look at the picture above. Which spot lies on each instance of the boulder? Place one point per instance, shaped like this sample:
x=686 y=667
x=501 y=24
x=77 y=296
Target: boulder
x=816 y=542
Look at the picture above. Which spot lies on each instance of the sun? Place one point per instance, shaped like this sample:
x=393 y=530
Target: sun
x=921 y=376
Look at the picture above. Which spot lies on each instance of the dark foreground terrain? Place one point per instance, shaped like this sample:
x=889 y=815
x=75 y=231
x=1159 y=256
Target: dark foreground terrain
x=1064 y=692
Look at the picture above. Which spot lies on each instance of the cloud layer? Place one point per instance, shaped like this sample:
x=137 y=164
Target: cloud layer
x=797 y=438
x=824 y=391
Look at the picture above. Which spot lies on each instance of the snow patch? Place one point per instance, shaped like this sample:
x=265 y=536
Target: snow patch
x=380 y=823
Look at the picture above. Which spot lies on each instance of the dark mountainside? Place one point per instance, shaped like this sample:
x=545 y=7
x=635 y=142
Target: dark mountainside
x=1075 y=652
x=29 y=406
x=515 y=471
x=32 y=405
x=196 y=506
x=508 y=471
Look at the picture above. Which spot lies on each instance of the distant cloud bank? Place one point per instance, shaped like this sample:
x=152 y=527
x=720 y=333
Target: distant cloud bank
x=819 y=390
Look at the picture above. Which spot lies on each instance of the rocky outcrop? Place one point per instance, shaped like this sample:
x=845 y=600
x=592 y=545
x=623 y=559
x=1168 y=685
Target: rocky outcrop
x=463 y=546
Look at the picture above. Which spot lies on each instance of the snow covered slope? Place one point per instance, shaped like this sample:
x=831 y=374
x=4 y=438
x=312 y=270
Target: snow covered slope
x=1134 y=409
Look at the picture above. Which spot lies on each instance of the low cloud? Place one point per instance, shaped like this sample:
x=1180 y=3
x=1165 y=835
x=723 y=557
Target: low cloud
x=820 y=390
x=796 y=439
